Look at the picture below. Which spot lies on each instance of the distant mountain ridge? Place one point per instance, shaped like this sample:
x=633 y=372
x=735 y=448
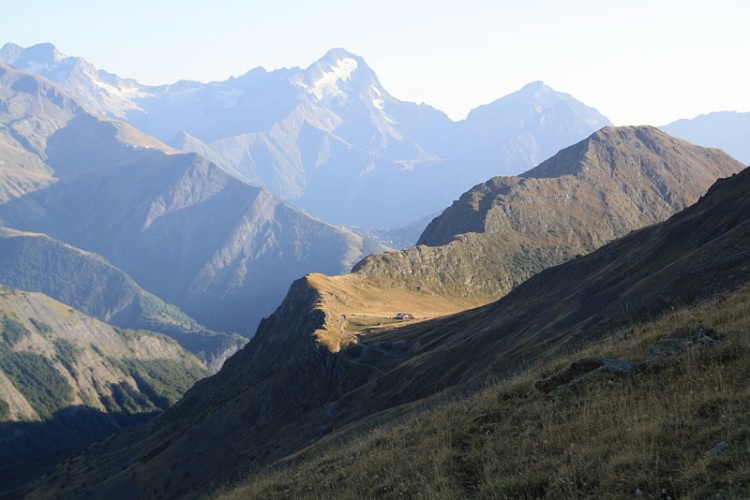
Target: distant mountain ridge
x=330 y=138
x=728 y=130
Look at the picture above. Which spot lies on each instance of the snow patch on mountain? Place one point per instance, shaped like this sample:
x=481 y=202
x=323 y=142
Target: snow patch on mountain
x=378 y=103
x=124 y=93
x=326 y=85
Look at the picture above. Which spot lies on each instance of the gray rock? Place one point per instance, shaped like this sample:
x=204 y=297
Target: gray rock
x=720 y=448
x=585 y=369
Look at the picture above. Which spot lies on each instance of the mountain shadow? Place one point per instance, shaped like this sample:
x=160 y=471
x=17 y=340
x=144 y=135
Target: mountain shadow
x=30 y=448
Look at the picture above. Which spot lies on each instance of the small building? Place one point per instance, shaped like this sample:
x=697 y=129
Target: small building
x=404 y=316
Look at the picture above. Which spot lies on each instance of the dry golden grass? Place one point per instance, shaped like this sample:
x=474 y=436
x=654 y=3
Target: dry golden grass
x=644 y=435
x=353 y=304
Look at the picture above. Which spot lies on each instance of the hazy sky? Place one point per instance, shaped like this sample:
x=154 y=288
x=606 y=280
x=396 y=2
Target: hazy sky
x=636 y=61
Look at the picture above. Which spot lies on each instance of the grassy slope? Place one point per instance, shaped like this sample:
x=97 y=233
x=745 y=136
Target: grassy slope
x=661 y=268
x=650 y=431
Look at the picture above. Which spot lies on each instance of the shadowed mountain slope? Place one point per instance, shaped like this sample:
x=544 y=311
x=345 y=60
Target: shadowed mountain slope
x=67 y=379
x=184 y=229
x=37 y=263
x=306 y=373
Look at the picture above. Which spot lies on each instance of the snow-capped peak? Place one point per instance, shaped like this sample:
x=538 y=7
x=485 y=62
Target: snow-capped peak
x=326 y=84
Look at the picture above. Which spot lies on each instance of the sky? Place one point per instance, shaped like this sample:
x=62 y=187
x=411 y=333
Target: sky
x=636 y=61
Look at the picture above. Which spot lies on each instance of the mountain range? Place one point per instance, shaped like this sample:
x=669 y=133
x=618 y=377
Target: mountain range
x=106 y=188
x=611 y=228
x=330 y=138
x=337 y=357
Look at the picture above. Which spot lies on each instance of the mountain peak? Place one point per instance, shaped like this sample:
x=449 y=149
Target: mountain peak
x=536 y=98
x=338 y=54
x=335 y=74
x=40 y=54
x=638 y=150
x=10 y=52
x=536 y=86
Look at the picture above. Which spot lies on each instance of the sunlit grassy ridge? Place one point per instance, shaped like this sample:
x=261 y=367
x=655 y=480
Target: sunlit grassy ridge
x=353 y=305
x=678 y=429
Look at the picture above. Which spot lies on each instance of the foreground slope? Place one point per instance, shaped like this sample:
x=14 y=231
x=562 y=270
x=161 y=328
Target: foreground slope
x=67 y=379
x=184 y=229
x=303 y=375
x=37 y=263
x=671 y=423
x=329 y=137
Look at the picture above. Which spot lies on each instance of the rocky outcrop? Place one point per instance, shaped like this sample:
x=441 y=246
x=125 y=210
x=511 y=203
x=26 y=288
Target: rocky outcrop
x=599 y=367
